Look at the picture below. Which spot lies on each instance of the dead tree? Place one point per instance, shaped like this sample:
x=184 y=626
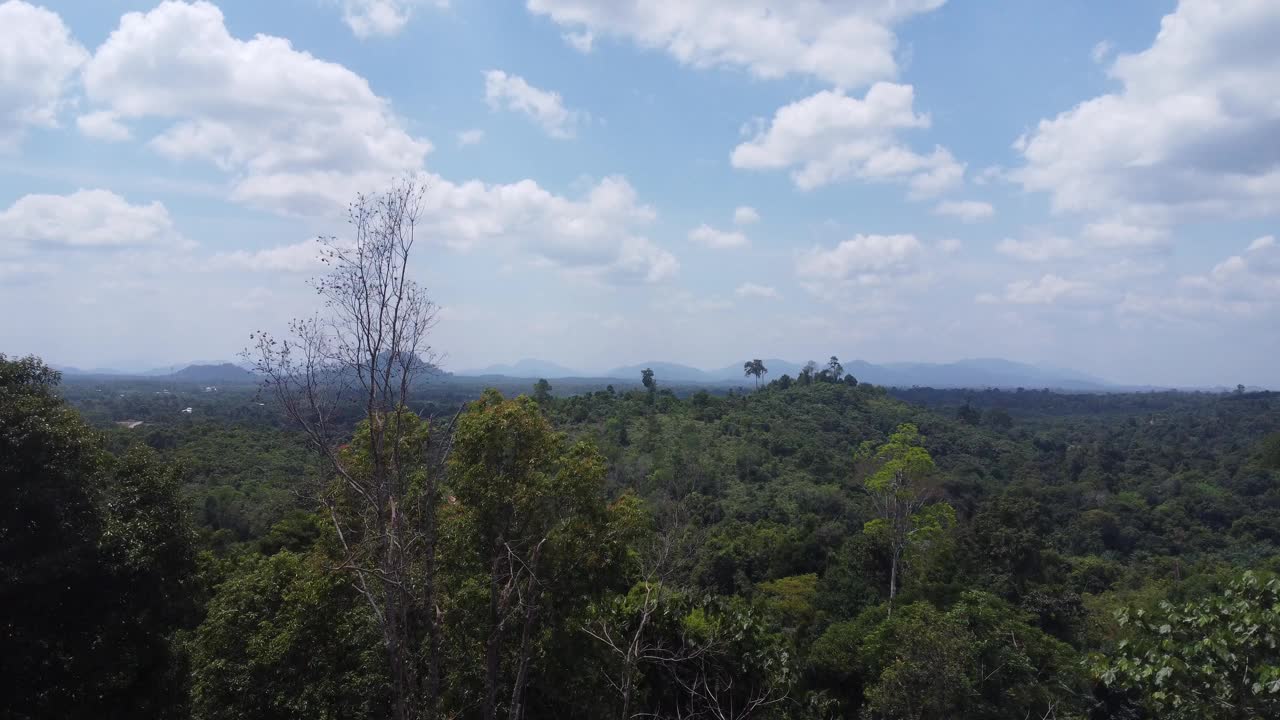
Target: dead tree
x=362 y=355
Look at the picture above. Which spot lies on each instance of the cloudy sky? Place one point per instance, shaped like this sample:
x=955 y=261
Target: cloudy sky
x=1093 y=185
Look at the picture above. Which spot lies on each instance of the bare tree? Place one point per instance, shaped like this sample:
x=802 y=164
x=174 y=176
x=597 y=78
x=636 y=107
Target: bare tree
x=627 y=632
x=361 y=356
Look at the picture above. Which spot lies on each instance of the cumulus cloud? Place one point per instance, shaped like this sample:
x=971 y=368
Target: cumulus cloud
x=847 y=44
x=1241 y=286
x=84 y=219
x=1101 y=51
x=830 y=136
x=598 y=236
x=1047 y=290
x=1191 y=131
x=298 y=134
x=470 y=137
x=1123 y=235
x=103 y=125
x=583 y=42
x=752 y=290
x=965 y=210
x=546 y=108
x=368 y=18
x=684 y=302
x=745 y=215
x=1252 y=275
x=303 y=256
x=38 y=58
x=871 y=264
x=720 y=239
x=1038 y=249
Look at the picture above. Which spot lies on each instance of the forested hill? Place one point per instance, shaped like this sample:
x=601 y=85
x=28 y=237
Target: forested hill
x=1117 y=477
x=815 y=549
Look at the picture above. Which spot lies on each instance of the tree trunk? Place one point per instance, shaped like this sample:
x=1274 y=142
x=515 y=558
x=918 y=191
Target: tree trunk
x=530 y=617
x=626 y=694
x=402 y=685
x=430 y=612
x=522 y=674
x=893 y=580
x=492 y=656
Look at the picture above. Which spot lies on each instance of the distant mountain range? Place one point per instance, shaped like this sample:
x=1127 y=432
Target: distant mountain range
x=200 y=372
x=979 y=372
x=225 y=373
x=526 y=368
x=975 y=373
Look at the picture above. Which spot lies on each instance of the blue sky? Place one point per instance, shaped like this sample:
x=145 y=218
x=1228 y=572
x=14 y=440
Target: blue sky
x=1087 y=184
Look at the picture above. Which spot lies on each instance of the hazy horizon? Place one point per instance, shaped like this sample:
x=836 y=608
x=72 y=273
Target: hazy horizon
x=1092 y=186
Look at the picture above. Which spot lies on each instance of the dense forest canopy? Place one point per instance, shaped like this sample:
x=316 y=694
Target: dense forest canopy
x=348 y=539
x=712 y=555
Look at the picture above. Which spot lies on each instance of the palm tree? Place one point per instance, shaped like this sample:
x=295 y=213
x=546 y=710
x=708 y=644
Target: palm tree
x=756 y=368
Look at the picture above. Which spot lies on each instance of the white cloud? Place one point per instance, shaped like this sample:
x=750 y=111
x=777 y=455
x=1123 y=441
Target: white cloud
x=1123 y=235
x=745 y=215
x=752 y=290
x=597 y=236
x=1048 y=290
x=1128 y=268
x=85 y=219
x=990 y=174
x=965 y=210
x=684 y=302
x=37 y=59
x=1192 y=131
x=368 y=18
x=860 y=262
x=1101 y=51
x=845 y=43
x=583 y=42
x=512 y=92
x=1241 y=286
x=830 y=136
x=1039 y=249
x=103 y=125
x=470 y=137
x=720 y=239
x=1254 y=275
x=303 y=256
x=298 y=134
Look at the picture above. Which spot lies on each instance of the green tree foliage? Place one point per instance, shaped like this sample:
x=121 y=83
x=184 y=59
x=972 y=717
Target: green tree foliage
x=95 y=564
x=680 y=655
x=900 y=481
x=1271 y=451
x=808 y=373
x=1212 y=657
x=755 y=368
x=542 y=391
x=1077 y=507
x=981 y=658
x=834 y=372
x=286 y=637
x=529 y=519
